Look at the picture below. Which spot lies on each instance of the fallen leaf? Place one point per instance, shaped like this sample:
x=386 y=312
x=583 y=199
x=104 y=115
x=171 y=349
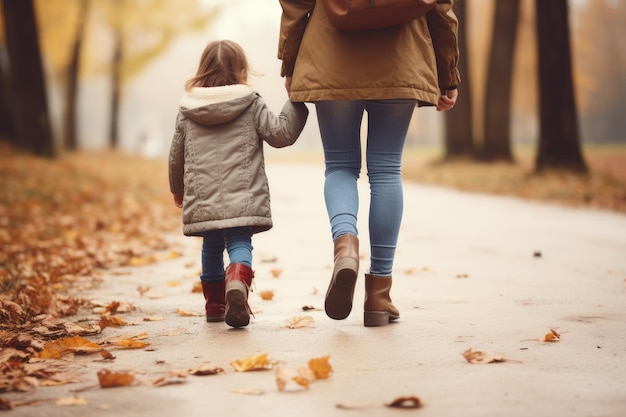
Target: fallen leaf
x=71 y=401
x=197 y=287
x=75 y=344
x=106 y=321
x=284 y=375
x=142 y=290
x=321 y=367
x=185 y=313
x=205 y=369
x=266 y=295
x=106 y=355
x=251 y=363
x=462 y=275
x=248 y=391
x=475 y=356
x=310 y=308
x=154 y=318
x=553 y=336
x=173 y=284
x=276 y=272
x=170 y=378
x=405 y=402
x=110 y=379
x=297 y=322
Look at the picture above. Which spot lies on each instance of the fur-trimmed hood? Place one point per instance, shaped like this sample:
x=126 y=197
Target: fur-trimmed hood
x=216 y=105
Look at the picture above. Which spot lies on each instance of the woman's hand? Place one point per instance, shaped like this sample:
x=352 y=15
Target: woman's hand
x=447 y=101
x=178 y=200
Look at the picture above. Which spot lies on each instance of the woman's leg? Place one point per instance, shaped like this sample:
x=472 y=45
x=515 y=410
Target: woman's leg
x=340 y=129
x=388 y=123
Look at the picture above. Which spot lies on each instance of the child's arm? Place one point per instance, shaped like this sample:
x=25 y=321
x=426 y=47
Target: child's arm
x=283 y=129
x=176 y=164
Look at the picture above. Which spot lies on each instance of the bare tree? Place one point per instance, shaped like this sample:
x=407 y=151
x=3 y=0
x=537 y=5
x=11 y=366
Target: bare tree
x=7 y=130
x=559 y=139
x=459 y=136
x=497 y=115
x=30 y=103
x=71 y=93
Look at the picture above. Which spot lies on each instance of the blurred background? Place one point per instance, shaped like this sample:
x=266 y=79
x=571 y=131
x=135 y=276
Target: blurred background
x=114 y=70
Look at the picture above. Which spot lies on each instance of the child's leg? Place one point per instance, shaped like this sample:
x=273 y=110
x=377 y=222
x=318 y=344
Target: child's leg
x=238 y=275
x=239 y=245
x=212 y=277
x=213 y=246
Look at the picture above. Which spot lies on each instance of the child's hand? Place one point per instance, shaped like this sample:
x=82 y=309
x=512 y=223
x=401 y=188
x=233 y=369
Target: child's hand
x=178 y=200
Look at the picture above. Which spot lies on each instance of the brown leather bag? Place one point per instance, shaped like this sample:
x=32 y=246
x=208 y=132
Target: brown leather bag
x=374 y=14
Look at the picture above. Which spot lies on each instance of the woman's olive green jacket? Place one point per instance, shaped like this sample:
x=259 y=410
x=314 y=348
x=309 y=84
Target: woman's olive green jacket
x=415 y=60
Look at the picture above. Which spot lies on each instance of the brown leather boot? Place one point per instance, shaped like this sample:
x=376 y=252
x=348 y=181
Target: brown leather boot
x=338 y=302
x=238 y=283
x=214 y=295
x=379 y=310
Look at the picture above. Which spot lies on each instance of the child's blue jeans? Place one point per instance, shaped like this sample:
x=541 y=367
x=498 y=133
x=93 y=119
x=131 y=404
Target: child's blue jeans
x=237 y=241
x=387 y=126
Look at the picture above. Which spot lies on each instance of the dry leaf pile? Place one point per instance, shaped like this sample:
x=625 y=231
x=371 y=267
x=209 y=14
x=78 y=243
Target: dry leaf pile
x=61 y=222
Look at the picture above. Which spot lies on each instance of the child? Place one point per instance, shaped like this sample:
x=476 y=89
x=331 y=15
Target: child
x=217 y=174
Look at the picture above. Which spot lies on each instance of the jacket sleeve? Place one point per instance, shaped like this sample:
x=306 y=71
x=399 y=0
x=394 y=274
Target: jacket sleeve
x=177 y=157
x=443 y=27
x=284 y=129
x=292 y=25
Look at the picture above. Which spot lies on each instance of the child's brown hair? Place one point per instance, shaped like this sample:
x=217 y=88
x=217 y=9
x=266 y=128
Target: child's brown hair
x=222 y=63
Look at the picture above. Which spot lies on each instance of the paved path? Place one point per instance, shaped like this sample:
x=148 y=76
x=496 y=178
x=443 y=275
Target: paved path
x=468 y=275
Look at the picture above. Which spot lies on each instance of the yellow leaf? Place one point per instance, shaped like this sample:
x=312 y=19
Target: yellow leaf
x=321 y=367
x=297 y=322
x=251 y=363
x=71 y=401
x=131 y=344
x=185 y=313
x=276 y=272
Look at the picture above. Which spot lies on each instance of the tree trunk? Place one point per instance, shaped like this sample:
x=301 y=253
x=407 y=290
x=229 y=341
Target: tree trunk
x=7 y=130
x=30 y=103
x=71 y=93
x=559 y=140
x=459 y=136
x=116 y=85
x=497 y=118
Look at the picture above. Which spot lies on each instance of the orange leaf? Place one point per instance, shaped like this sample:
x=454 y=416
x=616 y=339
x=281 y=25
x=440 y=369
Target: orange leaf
x=266 y=295
x=57 y=348
x=321 y=367
x=109 y=379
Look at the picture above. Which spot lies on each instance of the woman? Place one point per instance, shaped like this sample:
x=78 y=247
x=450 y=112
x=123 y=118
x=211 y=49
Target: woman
x=386 y=72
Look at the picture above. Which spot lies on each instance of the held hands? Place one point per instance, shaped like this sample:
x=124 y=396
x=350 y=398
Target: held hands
x=178 y=200
x=447 y=101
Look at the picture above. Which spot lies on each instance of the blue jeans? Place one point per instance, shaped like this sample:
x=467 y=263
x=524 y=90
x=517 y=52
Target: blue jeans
x=237 y=241
x=340 y=128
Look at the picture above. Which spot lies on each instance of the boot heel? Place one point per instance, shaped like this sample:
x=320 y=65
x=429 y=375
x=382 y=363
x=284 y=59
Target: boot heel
x=375 y=318
x=338 y=301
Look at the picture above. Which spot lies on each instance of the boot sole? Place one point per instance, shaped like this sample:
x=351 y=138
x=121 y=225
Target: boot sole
x=236 y=305
x=338 y=302
x=377 y=318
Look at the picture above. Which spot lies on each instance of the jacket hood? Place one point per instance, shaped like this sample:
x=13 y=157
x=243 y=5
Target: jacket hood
x=216 y=105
